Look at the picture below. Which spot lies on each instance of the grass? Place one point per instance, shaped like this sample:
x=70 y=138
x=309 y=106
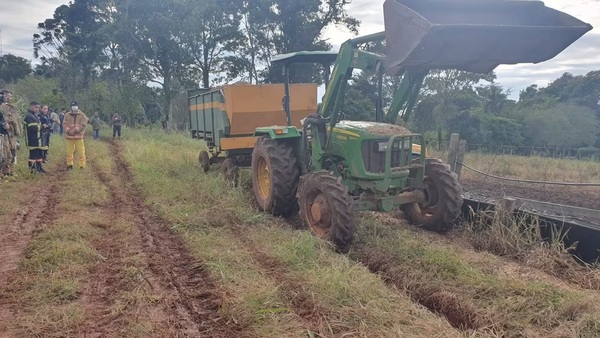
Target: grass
x=225 y=231
x=57 y=278
x=533 y=168
x=277 y=281
x=511 y=305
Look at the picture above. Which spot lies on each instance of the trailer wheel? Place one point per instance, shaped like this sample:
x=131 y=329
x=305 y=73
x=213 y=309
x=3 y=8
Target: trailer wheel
x=326 y=207
x=444 y=199
x=275 y=176
x=230 y=172
x=204 y=160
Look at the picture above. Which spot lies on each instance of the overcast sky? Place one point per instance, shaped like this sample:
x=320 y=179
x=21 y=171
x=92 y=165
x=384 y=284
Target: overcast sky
x=19 y=20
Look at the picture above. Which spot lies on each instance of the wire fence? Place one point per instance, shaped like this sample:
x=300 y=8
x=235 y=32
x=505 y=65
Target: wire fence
x=528 y=181
x=589 y=153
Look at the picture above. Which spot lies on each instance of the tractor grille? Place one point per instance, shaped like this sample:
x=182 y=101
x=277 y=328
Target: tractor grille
x=374 y=159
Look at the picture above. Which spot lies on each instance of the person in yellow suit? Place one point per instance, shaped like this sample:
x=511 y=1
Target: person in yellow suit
x=74 y=125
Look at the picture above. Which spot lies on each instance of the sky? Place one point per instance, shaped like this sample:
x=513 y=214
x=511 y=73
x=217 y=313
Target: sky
x=18 y=23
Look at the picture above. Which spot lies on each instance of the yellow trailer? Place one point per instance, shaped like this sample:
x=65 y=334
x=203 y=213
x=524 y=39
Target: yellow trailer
x=227 y=117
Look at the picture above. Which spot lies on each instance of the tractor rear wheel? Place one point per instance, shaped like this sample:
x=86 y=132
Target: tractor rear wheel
x=444 y=200
x=204 y=160
x=326 y=207
x=275 y=176
x=230 y=171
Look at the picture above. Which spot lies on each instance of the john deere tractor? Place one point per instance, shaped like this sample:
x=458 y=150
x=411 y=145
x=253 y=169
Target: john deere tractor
x=330 y=167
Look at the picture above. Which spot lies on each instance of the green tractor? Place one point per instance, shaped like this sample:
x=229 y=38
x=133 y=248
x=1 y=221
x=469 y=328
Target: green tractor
x=331 y=167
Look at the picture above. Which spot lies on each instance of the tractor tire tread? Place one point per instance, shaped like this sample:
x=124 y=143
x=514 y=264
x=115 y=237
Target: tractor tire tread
x=285 y=176
x=344 y=226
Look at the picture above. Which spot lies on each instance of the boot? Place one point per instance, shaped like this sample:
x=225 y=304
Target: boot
x=39 y=168
x=32 y=167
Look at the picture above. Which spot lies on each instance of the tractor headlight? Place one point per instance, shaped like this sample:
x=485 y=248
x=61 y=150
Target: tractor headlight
x=382 y=146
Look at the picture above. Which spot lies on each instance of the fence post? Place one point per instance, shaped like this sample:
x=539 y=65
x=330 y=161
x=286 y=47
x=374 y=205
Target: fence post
x=453 y=151
x=460 y=157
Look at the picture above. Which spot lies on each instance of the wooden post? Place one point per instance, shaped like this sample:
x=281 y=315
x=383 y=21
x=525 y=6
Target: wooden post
x=506 y=209
x=453 y=151
x=460 y=157
x=509 y=204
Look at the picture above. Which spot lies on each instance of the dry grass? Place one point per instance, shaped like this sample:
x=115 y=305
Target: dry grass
x=530 y=168
x=527 y=241
x=508 y=305
x=263 y=264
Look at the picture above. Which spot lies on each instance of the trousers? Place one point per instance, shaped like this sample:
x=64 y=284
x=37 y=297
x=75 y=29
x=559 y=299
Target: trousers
x=76 y=146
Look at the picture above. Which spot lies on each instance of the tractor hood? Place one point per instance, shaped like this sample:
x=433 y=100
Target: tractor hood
x=373 y=128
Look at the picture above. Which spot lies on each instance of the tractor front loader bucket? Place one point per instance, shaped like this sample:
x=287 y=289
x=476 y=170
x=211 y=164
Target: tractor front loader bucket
x=474 y=35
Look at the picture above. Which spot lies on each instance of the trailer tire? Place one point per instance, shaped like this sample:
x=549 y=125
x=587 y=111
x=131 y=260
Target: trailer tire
x=230 y=172
x=204 y=160
x=275 y=176
x=326 y=208
x=444 y=199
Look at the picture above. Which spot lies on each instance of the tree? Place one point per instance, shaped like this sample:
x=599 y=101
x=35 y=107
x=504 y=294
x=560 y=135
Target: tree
x=210 y=31
x=75 y=34
x=154 y=28
x=13 y=68
x=271 y=27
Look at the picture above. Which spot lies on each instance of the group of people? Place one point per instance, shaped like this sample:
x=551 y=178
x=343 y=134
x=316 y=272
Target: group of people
x=39 y=123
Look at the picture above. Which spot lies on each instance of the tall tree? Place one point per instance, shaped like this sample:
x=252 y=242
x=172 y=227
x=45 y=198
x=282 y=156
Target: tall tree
x=154 y=28
x=210 y=30
x=75 y=33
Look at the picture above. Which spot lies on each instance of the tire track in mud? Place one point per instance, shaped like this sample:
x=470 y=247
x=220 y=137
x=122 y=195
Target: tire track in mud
x=192 y=298
x=459 y=312
x=15 y=240
x=319 y=320
x=106 y=278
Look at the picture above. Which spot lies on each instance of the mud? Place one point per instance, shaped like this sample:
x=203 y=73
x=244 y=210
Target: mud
x=313 y=316
x=492 y=190
x=28 y=222
x=191 y=297
x=459 y=312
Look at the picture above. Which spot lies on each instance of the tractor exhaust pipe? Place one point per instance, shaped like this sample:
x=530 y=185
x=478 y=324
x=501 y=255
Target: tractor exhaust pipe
x=474 y=35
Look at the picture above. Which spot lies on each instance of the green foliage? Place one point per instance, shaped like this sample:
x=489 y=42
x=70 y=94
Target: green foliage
x=13 y=68
x=40 y=89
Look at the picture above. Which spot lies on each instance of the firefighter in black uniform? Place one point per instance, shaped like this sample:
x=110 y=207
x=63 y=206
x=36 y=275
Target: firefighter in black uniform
x=34 y=140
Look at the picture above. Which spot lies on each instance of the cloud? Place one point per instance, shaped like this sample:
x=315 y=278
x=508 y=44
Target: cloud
x=18 y=23
x=581 y=57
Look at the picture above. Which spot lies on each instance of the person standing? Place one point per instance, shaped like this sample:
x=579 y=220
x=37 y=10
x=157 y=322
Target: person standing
x=34 y=139
x=5 y=154
x=96 y=124
x=61 y=118
x=45 y=132
x=74 y=126
x=116 y=121
x=13 y=128
x=55 y=122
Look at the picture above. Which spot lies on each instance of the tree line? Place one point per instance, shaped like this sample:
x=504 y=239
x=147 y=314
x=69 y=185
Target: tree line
x=138 y=58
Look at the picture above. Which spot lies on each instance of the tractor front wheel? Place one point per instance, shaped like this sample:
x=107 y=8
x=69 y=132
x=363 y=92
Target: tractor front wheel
x=443 y=199
x=275 y=176
x=326 y=207
x=204 y=160
x=230 y=171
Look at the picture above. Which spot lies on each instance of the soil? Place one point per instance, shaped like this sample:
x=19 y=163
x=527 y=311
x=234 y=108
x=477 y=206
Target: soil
x=314 y=317
x=459 y=312
x=28 y=222
x=491 y=190
x=190 y=298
